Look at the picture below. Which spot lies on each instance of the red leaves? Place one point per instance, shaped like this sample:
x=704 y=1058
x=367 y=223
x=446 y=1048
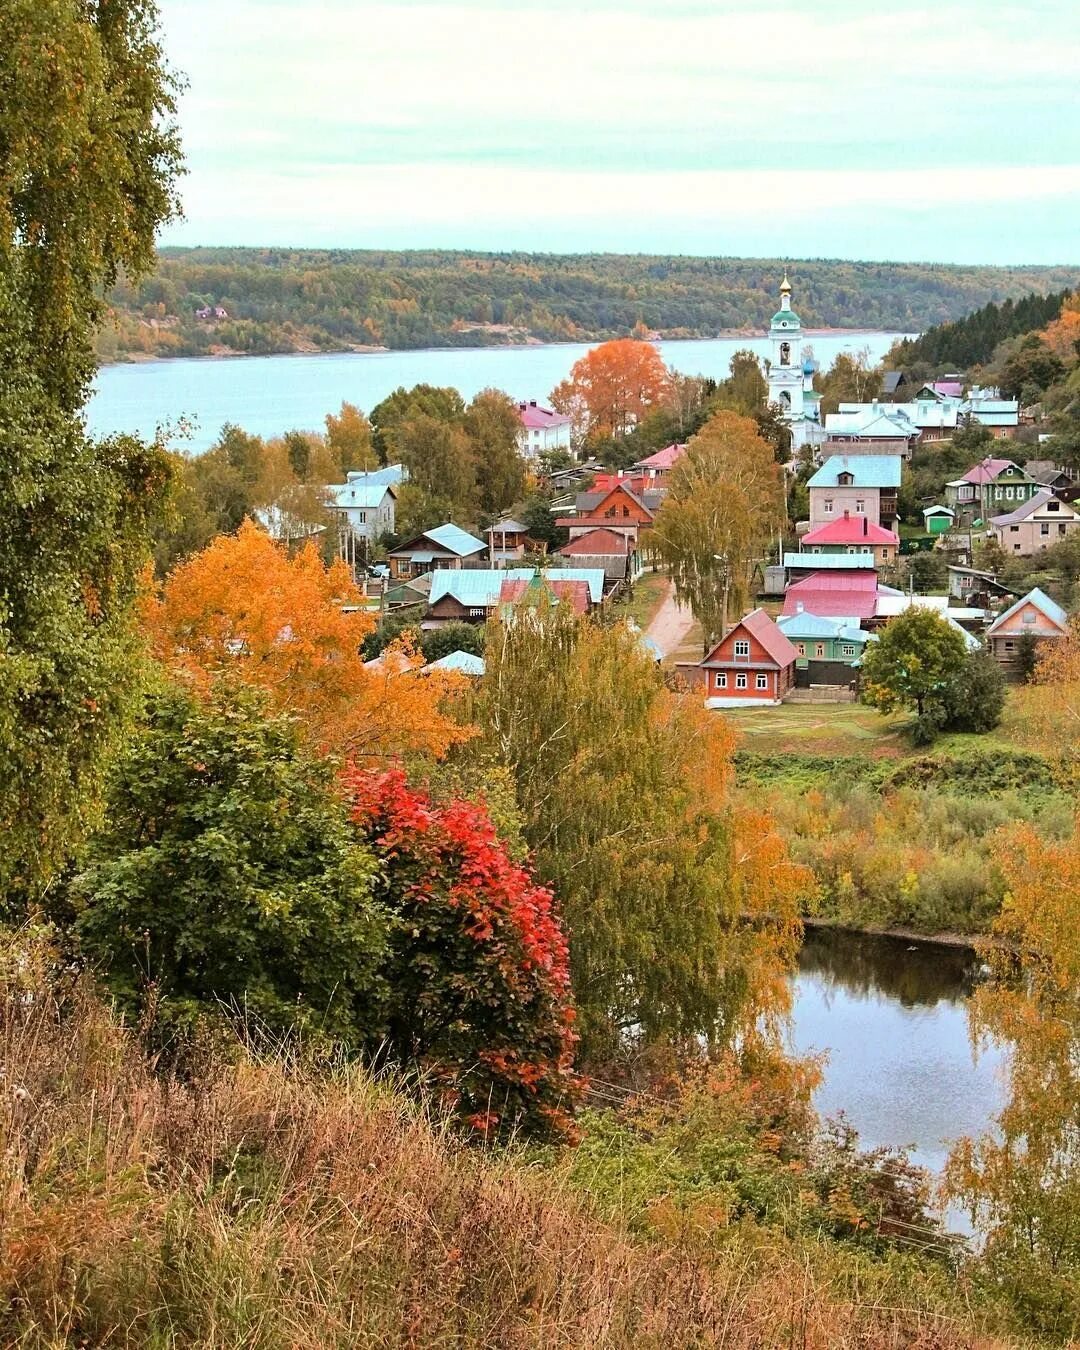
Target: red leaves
x=501 y=999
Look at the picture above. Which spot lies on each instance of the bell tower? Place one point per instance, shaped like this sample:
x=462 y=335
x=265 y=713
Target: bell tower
x=785 y=368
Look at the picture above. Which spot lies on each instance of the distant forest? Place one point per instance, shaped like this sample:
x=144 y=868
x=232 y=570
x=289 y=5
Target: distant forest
x=971 y=341
x=281 y=300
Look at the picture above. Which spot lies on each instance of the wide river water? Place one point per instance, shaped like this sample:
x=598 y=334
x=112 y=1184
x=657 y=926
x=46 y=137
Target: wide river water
x=268 y=395
x=890 y=1016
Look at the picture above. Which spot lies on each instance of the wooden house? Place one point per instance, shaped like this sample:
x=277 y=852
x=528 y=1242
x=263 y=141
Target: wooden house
x=1034 y=613
x=753 y=663
x=443 y=546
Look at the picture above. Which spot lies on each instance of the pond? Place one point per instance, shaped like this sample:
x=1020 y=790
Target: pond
x=890 y=1015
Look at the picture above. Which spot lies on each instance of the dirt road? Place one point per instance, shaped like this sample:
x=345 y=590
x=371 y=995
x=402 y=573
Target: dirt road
x=671 y=623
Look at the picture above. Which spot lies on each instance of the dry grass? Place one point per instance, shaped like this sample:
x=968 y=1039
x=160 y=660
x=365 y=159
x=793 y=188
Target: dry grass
x=256 y=1204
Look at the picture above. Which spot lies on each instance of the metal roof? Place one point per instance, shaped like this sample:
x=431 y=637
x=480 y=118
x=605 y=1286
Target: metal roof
x=829 y=562
x=870 y=471
x=1042 y=602
x=465 y=662
x=806 y=625
x=360 y=495
x=478 y=587
x=455 y=540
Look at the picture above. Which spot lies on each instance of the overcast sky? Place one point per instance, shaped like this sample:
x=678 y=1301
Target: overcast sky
x=831 y=128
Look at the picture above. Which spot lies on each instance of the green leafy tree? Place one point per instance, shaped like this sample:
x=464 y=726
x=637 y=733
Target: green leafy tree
x=492 y=426
x=913 y=663
x=539 y=519
x=1033 y=363
x=622 y=788
x=1027 y=655
x=724 y=506
x=927 y=571
x=229 y=873
x=441 y=404
x=88 y=163
x=452 y=637
x=975 y=696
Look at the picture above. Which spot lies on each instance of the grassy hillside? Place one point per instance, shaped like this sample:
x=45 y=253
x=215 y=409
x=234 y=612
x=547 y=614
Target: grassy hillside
x=282 y=300
x=254 y=1203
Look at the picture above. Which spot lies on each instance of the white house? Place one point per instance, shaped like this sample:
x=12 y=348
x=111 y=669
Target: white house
x=364 y=507
x=541 y=429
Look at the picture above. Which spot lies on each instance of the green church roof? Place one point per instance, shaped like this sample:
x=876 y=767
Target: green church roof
x=785 y=316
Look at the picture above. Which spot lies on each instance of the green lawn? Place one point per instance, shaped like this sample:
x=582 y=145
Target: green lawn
x=648 y=596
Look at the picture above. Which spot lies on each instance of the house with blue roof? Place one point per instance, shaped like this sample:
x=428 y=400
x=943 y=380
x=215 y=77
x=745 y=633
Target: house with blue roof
x=817 y=638
x=474 y=594
x=446 y=546
x=861 y=485
x=1035 y=616
x=364 y=506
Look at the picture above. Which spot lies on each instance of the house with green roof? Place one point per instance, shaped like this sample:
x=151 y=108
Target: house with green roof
x=444 y=546
x=818 y=638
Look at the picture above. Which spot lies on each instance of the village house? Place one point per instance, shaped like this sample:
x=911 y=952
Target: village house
x=989 y=487
x=895 y=385
x=444 y=546
x=364 y=508
x=462 y=663
x=617 y=508
x=473 y=595
x=862 y=428
x=798 y=566
x=860 y=485
x=1041 y=521
x=974 y=587
x=986 y=408
x=849 y=594
x=853 y=534
x=542 y=429
x=831 y=648
x=616 y=553
x=948 y=387
x=1034 y=613
x=753 y=663
x=657 y=468
x=508 y=542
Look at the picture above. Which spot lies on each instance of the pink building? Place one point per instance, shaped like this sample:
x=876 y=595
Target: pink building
x=1034 y=613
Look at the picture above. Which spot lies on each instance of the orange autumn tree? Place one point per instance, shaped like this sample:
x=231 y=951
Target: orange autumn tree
x=612 y=387
x=1062 y=335
x=245 y=607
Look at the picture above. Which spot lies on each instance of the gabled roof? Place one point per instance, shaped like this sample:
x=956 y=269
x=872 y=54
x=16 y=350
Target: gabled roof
x=361 y=494
x=466 y=663
x=587 y=502
x=849 y=529
x=573 y=593
x=988 y=470
x=806 y=625
x=835 y=594
x=949 y=388
x=892 y=381
x=869 y=471
x=597 y=544
x=392 y=475
x=536 y=418
x=883 y=422
x=938 y=511
x=508 y=526
x=761 y=627
x=1053 y=613
x=1032 y=506
x=479 y=587
x=828 y=562
x=662 y=459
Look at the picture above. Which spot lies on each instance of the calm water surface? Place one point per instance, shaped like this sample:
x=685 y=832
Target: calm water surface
x=268 y=395
x=890 y=1015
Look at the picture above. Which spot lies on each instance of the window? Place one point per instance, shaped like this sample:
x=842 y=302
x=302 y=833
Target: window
x=477 y=613
x=819 y=649
x=860 y=505
x=361 y=516
x=1009 y=646
x=763 y=681
x=1014 y=529
x=847 y=649
x=742 y=647
x=1029 y=616
x=740 y=681
x=845 y=479
x=828 y=506
x=800 y=647
x=1053 y=506
x=1061 y=528
x=1044 y=528
x=721 y=680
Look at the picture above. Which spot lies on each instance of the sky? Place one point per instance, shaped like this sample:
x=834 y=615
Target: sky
x=838 y=128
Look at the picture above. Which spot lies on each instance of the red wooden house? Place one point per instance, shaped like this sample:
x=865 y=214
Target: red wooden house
x=753 y=663
x=616 y=508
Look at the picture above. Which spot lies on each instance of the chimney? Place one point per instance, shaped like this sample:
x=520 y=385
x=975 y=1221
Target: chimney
x=847 y=513
x=866 y=524
x=532 y=403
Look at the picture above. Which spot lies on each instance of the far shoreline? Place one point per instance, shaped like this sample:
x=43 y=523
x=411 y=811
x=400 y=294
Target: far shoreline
x=724 y=335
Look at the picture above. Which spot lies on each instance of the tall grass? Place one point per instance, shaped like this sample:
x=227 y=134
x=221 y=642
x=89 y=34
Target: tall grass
x=257 y=1202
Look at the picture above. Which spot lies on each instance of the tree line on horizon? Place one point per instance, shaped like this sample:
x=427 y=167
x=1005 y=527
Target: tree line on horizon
x=283 y=300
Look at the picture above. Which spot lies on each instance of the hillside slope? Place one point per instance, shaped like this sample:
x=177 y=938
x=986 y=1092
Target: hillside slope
x=288 y=300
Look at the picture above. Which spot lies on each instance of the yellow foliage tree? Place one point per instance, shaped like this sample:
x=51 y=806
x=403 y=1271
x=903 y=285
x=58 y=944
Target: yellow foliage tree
x=288 y=625
x=1062 y=335
x=612 y=387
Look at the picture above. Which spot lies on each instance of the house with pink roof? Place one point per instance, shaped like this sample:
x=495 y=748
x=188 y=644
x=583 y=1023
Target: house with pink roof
x=615 y=552
x=991 y=487
x=541 y=429
x=831 y=595
x=658 y=466
x=853 y=534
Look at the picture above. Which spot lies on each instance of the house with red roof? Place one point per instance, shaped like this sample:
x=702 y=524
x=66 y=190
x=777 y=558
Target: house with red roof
x=752 y=664
x=617 y=508
x=657 y=467
x=616 y=553
x=541 y=429
x=853 y=534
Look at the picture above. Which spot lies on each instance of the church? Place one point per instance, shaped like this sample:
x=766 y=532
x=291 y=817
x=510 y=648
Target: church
x=791 y=379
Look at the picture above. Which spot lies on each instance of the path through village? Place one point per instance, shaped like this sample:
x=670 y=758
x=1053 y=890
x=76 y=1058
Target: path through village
x=670 y=624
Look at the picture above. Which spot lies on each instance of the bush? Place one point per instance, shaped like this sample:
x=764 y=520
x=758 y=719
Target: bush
x=975 y=697
x=452 y=637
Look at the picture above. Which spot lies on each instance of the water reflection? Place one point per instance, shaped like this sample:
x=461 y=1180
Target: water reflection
x=890 y=1015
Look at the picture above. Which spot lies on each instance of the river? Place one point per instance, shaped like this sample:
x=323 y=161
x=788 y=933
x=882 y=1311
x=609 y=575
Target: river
x=890 y=1014
x=267 y=395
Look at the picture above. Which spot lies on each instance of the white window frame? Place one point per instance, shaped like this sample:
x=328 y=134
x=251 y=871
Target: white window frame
x=762 y=682
x=742 y=647
x=721 y=679
x=740 y=680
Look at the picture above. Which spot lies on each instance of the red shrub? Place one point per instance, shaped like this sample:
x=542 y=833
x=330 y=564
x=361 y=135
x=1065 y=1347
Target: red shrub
x=478 y=965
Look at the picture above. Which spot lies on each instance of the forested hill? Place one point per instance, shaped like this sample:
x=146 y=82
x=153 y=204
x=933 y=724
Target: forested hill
x=971 y=340
x=278 y=300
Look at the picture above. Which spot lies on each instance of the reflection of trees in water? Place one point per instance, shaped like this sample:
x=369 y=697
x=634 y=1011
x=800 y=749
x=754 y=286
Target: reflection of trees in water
x=917 y=974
